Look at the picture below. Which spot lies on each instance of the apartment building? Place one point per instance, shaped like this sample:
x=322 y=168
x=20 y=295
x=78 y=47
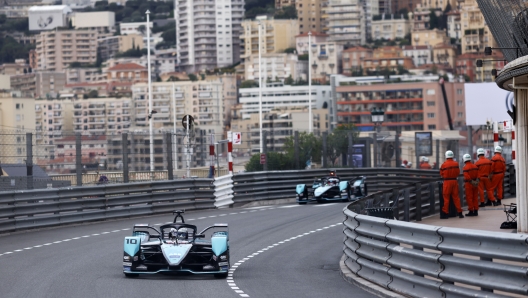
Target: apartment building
x=302 y=41
x=53 y=117
x=309 y=15
x=56 y=50
x=326 y=60
x=410 y=106
x=475 y=32
x=94 y=153
x=352 y=58
x=102 y=115
x=48 y=17
x=208 y=35
x=82 y=75
x=109 y=46
x=390 y=27
x=454 y=25
x=279 y=125
x=410 y=5
x=445 y=54
x=201 y=99
x=159 y=64
x=371 y=9
x=127 y=72
x=39 y=85
x=439 y=4
x=420 y=54
x=280 y=96
x=281 y=3
x=16 y=116
x=134 y=28
x=277 y=36
x=421 y=18
x=12 y=69
x=429 y=37
x=101 y=21
x=346 y=22
x=275 y=67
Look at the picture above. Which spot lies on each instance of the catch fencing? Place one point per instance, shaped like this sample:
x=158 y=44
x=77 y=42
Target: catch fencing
x=52 y=207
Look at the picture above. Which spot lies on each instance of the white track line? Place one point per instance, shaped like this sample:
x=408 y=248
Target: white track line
x=325 y=205
x=231 y=281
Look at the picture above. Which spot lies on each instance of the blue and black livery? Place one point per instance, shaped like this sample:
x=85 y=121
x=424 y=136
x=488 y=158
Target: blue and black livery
x=177 y=248
x=332 y=188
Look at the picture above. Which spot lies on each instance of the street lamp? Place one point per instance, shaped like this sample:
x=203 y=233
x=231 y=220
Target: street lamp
x=260 y=84
x=310 y=120
x=150 y=98
x=378 y=116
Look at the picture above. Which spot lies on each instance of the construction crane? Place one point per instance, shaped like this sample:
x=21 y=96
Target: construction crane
x=446 y=103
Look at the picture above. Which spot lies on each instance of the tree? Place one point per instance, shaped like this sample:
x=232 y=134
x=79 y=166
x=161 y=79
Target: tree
x=276 y=162
x=169 y=36
x=287 y=12
x=288 y=81
x=303 y=57
x=193 y=77
x=142 y=29
x=249 y=84
x=290 y=50
x=338 y=141
x=310 y=148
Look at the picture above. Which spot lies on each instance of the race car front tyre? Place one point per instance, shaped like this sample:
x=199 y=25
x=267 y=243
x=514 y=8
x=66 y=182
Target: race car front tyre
x=129 y=275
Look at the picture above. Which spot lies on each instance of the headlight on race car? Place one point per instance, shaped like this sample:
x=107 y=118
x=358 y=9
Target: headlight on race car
x=126 y=258
x=223 y=257
x=223 y=263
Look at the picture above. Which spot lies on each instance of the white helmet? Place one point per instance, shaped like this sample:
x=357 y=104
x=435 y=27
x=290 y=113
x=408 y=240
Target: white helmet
x=426 y=159
x=449 y=154
x=480 y=152
x=498 y=149
x=466 y=157
x=423 y=159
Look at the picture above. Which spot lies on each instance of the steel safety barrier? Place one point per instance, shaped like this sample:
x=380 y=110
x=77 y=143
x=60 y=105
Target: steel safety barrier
x=51 y=207
x=223 y=191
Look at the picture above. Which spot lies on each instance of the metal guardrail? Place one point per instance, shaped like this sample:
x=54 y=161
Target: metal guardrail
x=223 y=191
x=418 y=260
x=427 y=261
x=256 y=186
x=52 y=207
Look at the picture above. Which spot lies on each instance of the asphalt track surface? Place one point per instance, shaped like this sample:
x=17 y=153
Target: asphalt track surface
x=86 y=261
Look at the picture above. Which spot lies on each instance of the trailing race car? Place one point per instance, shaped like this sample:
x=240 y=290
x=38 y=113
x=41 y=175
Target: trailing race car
x=176 y=248
x=332 y=188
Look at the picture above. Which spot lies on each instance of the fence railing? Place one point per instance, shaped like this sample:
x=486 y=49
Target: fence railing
x=51 y=207
x=418 y=260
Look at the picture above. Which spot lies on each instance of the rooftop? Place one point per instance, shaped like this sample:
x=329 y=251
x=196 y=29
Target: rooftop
x=127 y=66
x=313 y=34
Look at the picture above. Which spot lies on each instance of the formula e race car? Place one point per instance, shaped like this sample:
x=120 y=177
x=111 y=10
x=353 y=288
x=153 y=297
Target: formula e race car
x=332 y=188
x=177 y=248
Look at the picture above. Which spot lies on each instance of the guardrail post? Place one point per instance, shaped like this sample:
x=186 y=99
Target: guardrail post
x=375 y=137
x=296 y=149
x=418 y=202
x=325 y=139
x=406 y=204
x=489 y=260
x=432 y=198
x=437 y=166
x=168 y=143
x=461 y=192
x=350 y=160
x=124 y=146
x=29 y=160
x=395 y=203
x=397 y=146
x=78 y=159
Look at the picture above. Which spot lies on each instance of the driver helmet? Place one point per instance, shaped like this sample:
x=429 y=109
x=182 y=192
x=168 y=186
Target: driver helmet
x=180 y=234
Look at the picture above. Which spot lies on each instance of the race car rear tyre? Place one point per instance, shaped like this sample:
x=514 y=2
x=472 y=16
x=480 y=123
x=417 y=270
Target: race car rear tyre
x=221 y=275
x=131 y=275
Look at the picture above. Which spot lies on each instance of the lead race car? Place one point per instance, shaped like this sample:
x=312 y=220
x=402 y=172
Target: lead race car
x=177 y=248
x=332 y=188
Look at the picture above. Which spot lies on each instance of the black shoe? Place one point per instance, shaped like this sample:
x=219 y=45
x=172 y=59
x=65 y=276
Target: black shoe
x=482 y=205
x=444 y=215
x=460 y=215
x=496 y=203
x=489 y=203
x=475 y=213
x=471 y=213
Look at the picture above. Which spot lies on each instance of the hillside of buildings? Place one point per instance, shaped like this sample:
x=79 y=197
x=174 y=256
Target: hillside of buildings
x=81 y=66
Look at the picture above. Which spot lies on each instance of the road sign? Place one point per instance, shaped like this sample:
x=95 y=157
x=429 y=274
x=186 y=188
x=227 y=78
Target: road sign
x=262 y=158
x=237 y=138
x=190 y=120
x=506 y=126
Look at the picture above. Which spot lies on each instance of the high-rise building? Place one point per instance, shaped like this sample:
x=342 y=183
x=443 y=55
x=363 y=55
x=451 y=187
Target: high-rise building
x=282 y=3
x=208 y=33
x=309 y=15
x=56 y=50
x=475 y=33
x=346 y=22
x=39 y=85
x=277 y=36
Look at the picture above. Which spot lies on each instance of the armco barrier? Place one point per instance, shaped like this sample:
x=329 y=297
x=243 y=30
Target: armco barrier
x=256 y=186
x=427 y=261
x=52 y=207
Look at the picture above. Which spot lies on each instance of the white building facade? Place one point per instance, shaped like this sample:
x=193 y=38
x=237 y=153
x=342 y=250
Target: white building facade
x=48 y=17
x=208 y=33
x=346 y=22
x=419 y=54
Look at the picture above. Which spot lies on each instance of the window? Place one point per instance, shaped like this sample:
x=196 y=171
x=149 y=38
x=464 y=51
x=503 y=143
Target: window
x=431 y=103
x=18 y=106
x=460 y=103
x=430 y=115
x=460 y=115
x=431 y=126
x=430 y=92
x=18 y=117
x=460 y=91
